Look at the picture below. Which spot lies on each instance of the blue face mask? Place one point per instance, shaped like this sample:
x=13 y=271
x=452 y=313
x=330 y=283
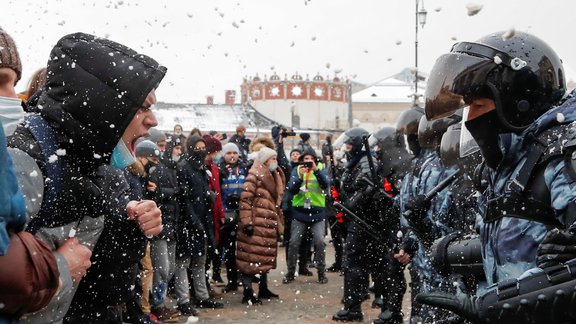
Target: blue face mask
x=11 y=114
x=122 y=157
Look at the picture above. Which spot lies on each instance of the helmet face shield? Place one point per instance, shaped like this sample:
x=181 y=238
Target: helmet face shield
x=454 y=79
x=468 y=145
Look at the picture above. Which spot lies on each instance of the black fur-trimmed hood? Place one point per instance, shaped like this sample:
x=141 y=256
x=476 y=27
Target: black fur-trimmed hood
x=94 y=88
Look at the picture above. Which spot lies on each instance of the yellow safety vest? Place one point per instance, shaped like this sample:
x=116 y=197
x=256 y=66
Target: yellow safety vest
x=312 y=191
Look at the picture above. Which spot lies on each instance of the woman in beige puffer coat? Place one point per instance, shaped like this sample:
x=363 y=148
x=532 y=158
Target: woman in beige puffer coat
x=261 y=223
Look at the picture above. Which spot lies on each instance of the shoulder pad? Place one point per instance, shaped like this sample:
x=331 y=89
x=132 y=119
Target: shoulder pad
x=558 y=140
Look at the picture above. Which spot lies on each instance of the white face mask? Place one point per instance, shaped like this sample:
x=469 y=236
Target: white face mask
x=175 y=158
x=122 y=157
x=11 y=113
x=272 y=167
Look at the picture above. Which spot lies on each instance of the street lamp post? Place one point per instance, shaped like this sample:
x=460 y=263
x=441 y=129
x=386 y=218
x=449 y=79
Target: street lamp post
x=420 y=18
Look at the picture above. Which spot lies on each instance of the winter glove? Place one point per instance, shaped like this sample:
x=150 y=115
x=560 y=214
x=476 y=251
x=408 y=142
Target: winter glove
x=461 y=304
x=557 y=247
x=416 y=208
x=211 y=195
x=249 y=230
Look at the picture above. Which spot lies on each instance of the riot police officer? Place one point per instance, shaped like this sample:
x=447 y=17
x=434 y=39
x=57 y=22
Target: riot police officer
x=512 y=84
x=394 y=162
x=424 y=214
x=357 y=190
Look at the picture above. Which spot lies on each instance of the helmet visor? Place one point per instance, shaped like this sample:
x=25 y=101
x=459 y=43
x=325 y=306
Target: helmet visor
x=468 y=145
x=372 y=141
x=454 y=79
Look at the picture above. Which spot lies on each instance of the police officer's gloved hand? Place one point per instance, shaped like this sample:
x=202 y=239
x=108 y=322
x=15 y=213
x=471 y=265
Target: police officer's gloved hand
x=416 y=208
x=557 y=247
x=249 y=230
x=461 y=304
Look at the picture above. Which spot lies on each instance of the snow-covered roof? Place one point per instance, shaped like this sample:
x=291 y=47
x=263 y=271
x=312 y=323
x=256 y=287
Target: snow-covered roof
x=221 y=118
x=397 y=88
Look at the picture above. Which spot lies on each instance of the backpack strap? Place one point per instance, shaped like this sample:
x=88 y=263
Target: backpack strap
x=54 y=166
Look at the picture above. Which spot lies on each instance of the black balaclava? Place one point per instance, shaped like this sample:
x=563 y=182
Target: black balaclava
x=486 y=131
x=413 y=144
x=196 y=157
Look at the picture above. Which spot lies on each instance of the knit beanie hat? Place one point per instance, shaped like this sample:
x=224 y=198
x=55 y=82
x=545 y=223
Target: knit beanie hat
x=296 y=150
x=147 y=148
x=9 y=57
x=156 y=135
x=230 y=147
x=304 y=137
x=212 y=144
x=306 y=152
x=265 y=153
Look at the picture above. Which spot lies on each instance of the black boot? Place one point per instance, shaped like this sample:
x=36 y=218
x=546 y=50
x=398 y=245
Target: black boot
x=387 y=317
x=345 y=315
x=263 y=291
x=378 y=302
x=322 y=277
x=249 y=298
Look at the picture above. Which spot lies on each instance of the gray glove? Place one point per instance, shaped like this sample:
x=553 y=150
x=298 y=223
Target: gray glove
x=557 y=247
x=461 y=304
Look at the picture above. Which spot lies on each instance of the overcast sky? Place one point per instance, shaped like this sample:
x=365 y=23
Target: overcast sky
x=209 y=46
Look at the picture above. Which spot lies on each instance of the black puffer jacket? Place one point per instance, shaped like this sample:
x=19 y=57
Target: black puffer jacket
x=94 y=89
x=196 y=226
x=167 y=196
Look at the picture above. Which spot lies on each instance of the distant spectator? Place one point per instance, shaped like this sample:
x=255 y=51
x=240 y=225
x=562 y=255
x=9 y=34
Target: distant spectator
x=158 y=137
x=304 y=143
x=179 y=132
x=218 y=136
x=195 y=132
x=37 y=80
x=241 y=141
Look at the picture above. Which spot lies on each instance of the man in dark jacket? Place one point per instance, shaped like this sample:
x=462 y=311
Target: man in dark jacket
x=241 y=141
x=79 y=126
x=195 y=229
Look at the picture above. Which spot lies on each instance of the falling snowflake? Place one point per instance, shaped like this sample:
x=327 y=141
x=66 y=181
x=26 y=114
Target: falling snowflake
x=497 y=60
x=235 y=24
x=53 y=158
x=473 y=9
x=560 y=117
x=398 y=42
x=61 y=152
x=97 y=156
x=509 y=34
x=34 y=173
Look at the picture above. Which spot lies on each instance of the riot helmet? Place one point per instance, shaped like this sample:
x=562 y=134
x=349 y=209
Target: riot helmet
x=355 y=138
x=430 y=131
x=451 y=152
x=407 y=125
x=390 y=148
x=521 y=73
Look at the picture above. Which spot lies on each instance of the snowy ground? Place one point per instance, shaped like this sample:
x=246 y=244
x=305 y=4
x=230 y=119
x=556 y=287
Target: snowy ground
x=302 y=301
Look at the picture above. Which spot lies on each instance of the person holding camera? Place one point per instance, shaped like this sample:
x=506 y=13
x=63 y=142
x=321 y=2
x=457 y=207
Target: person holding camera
x=232 y=177
x=308 y=182
x=261 y=221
